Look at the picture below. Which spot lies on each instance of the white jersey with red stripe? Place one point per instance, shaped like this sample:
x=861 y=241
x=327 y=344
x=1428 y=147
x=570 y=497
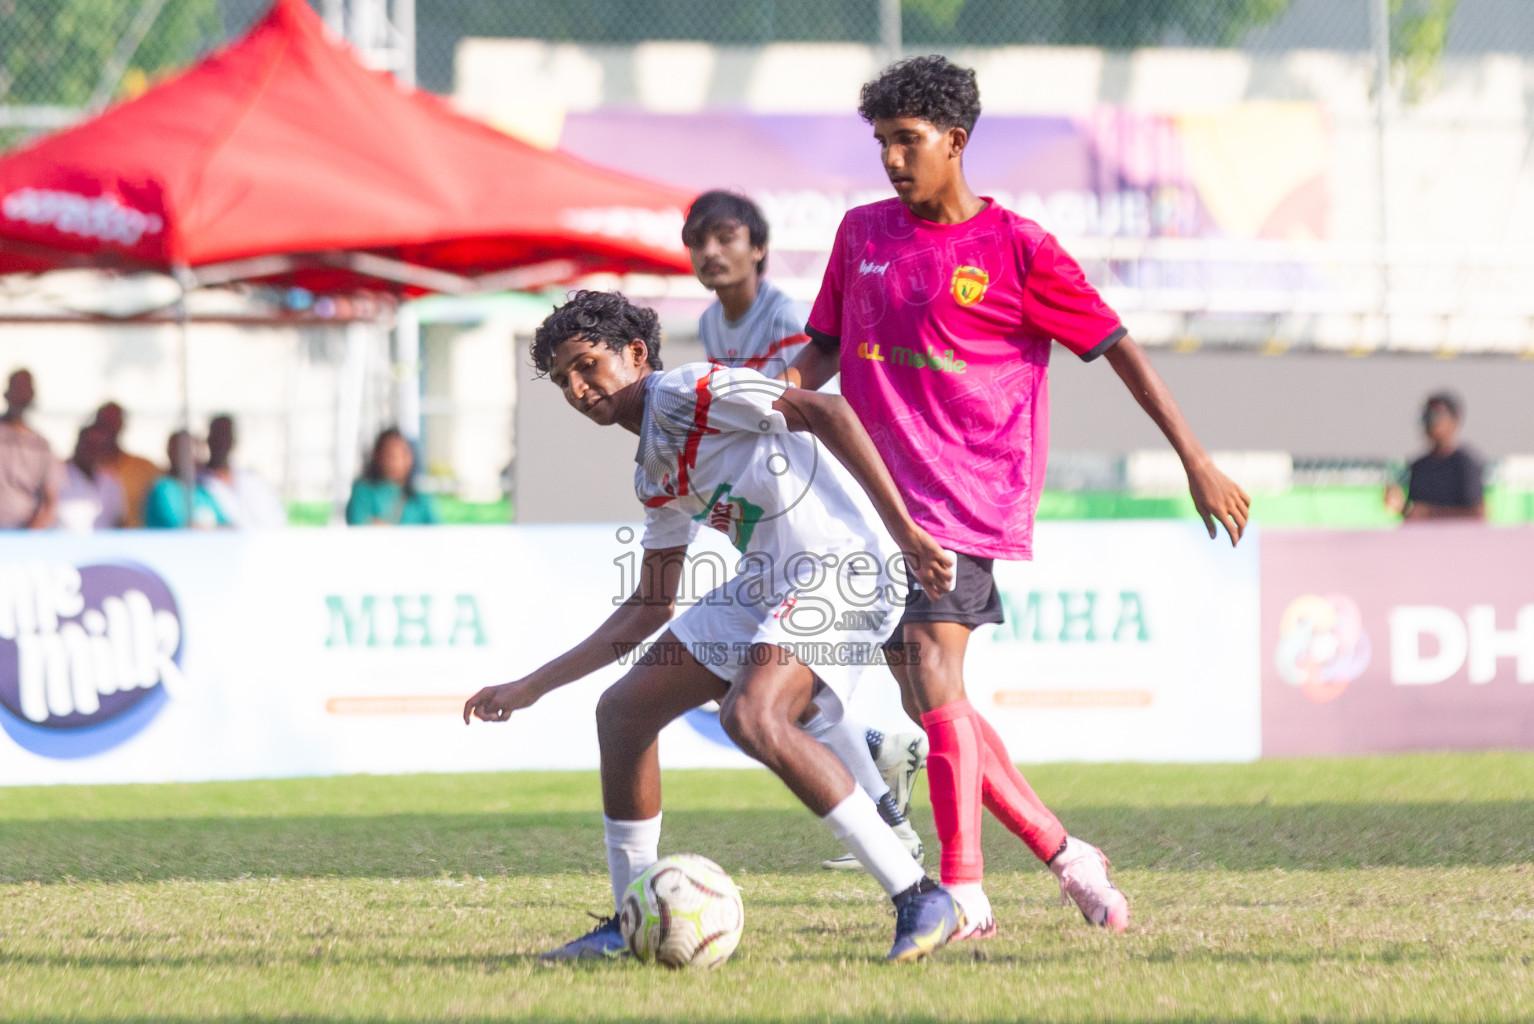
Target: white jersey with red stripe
x=816 y=563
x=767 y=338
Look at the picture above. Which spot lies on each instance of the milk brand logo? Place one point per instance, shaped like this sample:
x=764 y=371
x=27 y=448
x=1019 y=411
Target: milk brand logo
x=87 y=655
x=1322 y=646
x=99 y=217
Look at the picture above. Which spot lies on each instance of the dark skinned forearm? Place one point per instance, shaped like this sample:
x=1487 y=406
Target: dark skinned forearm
x=833 y=422
x=628 y=625
x=647 y=609
x=1134 y=368
x=813 y=367
x=1216 y=497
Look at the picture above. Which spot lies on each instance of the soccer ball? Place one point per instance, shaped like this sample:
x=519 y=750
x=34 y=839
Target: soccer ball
x=683 y=912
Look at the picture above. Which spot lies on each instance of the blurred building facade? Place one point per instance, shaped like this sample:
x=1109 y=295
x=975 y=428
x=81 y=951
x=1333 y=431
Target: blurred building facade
x=1217 y=168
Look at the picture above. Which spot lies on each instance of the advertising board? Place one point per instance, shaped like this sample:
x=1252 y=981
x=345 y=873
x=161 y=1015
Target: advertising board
x=141 y=656
x=1124 y=641
x=1415 y=639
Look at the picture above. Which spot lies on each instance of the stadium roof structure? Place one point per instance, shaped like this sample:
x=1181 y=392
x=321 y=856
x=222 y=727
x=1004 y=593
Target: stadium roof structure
x=280 y=159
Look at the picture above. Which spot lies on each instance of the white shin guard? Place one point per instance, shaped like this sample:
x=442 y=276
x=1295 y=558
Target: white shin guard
x=856 y=824
x=632 y=846
x=848 y=740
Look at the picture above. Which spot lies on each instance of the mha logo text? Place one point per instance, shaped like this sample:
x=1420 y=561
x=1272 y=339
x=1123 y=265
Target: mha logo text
x=87 y=655
x=404 y=620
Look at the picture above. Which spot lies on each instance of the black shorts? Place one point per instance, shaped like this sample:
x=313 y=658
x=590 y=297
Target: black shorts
x=973 y=601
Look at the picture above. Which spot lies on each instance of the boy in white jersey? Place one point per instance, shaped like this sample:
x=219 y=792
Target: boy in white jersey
x=753 y=324
x=734 y=450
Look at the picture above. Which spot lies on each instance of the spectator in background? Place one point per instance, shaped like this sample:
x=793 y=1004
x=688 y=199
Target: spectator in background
x=29 y=474
x=1446 y=482
x=135 y=473
x=386 y=494
x=245 y=499
x=90 y=498
x=166 y=506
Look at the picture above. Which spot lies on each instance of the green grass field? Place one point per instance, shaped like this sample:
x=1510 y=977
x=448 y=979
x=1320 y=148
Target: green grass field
x=1384 y=889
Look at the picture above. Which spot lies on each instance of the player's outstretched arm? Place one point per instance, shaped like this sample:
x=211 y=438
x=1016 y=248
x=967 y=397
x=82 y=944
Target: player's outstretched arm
x=816 y=364
x=1216 y=496
x=647 y=609
x=833 y=422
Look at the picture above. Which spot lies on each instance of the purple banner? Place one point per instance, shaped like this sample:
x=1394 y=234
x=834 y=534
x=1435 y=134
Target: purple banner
x=1418 y=638
x=1114 y=173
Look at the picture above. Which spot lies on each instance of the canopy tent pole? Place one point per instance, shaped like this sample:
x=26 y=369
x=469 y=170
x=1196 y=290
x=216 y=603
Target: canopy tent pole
x=350 y=383
x=407 y=363
x=187 y=281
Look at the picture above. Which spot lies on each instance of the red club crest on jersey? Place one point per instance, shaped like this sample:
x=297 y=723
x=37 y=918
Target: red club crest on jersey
x=969 y=285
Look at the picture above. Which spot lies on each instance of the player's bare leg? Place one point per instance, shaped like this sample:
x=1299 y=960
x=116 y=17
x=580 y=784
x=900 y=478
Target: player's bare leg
x=883 y=766
x=667 y=683
x=760 y=714
x=929 y=665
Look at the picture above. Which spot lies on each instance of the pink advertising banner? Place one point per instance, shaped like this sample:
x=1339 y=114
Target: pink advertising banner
x=1412 y=639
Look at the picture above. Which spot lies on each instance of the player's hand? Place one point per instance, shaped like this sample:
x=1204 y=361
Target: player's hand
x=496 y=703
x=932 y=564
x=1220 y=499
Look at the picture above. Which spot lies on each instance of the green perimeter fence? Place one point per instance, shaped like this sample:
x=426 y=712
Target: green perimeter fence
x=1334 y=508
x=68 y=55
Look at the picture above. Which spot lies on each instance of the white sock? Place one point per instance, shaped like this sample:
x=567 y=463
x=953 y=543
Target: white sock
x=848 y=740
x=632 y=846
x=1069 y=852
x=856 y=824
x=972 y=900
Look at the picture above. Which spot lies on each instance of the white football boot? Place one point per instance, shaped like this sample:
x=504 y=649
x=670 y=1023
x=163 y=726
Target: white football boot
x=1083 y=872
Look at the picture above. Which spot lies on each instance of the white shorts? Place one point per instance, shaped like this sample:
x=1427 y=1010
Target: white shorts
x=837 y=631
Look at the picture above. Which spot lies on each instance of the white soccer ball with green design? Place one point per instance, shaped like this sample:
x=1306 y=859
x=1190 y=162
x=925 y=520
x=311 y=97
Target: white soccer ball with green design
x=683 y=912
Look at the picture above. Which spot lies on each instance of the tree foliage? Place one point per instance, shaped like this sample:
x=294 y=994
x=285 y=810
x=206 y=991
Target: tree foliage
x=1111 y=23
x=1114 y=24
x=53 y=52
x=1419 y=29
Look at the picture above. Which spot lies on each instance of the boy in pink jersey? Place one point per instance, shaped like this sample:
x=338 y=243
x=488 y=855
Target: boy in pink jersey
x=753 y=324
x=939 y=309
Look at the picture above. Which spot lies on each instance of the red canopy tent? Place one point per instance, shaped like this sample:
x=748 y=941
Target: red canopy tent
x=282 y=159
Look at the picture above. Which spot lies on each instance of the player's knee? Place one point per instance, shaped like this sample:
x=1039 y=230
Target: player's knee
x=933 y=685
x=614 y=709
x=748 y=721
x=909 y=703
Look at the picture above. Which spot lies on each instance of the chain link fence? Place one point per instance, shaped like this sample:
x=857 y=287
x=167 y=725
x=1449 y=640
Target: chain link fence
x=61 y=57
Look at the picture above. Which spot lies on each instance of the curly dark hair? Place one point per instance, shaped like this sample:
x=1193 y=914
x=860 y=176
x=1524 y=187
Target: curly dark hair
x=932 y=88
x=717 y=207
x=597 y=316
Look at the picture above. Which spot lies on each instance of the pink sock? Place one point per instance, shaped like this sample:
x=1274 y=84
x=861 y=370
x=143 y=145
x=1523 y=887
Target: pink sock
x=1008 y=796
x=954 y=765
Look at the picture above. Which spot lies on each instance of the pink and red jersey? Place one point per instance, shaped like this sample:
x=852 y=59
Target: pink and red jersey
x=945 y=334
